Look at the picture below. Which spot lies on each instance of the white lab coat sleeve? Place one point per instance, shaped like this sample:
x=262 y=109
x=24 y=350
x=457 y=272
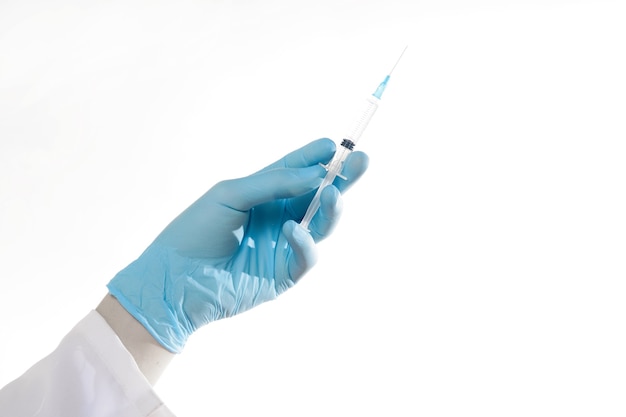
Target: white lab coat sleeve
x=90 y=374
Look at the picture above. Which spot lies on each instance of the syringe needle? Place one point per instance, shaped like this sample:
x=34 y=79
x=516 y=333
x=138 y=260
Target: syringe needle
x=399 y=58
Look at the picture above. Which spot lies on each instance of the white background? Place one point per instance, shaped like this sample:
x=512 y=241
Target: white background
x=480 y=265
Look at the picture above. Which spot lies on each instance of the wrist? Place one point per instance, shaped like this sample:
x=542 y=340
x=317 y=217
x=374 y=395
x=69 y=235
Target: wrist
x=150 y=356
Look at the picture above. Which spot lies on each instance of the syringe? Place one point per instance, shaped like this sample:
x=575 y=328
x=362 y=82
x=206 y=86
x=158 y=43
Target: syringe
x=335 y=166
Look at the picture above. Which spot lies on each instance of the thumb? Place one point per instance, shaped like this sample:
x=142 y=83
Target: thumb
x=304 y=251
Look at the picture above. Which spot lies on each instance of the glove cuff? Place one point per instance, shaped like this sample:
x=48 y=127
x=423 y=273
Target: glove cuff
x=140 y=289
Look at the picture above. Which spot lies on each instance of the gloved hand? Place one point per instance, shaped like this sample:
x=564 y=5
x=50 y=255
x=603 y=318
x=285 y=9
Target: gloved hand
x=234 y=248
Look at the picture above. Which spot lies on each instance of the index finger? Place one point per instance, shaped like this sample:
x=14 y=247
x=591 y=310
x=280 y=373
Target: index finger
x=313 y=153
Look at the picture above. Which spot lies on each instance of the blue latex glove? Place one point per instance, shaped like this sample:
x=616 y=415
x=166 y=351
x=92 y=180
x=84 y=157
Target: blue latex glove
x=236 y=247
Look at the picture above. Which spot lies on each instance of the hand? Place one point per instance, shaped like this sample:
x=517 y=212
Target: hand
x=236 y=247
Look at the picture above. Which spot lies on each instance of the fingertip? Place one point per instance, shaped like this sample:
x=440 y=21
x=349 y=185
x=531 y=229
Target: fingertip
x=324 y=144
x=355 y=166
x=319 y=150
x=303 y=249
x=297 y=234
x=358 y=161
x=326 y=219
x=331 y=202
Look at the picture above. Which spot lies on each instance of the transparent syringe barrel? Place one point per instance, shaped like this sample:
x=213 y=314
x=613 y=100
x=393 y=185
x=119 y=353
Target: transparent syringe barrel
x=363 y=118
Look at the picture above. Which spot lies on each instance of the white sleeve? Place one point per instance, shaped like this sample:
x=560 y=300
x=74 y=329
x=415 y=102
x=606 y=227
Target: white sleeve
x=90 y=374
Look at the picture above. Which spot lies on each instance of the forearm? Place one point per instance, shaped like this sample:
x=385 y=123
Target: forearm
x=150 y=356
